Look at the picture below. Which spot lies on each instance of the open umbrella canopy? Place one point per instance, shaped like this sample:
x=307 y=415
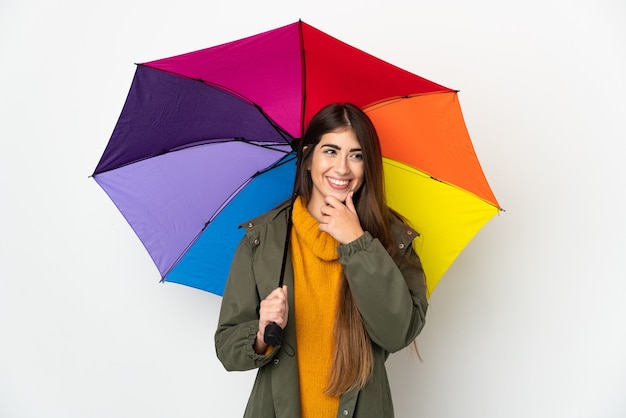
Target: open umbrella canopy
x=204 y=142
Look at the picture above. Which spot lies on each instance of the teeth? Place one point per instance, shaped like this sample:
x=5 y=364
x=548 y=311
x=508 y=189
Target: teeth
x=338 y=182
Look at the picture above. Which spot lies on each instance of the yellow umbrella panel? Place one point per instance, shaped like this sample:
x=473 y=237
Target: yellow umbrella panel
x=446 y=217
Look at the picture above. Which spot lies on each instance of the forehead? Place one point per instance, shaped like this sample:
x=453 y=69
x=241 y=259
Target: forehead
x=342 y=137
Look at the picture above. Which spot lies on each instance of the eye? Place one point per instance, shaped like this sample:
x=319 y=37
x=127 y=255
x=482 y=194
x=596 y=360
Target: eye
x=357 y=156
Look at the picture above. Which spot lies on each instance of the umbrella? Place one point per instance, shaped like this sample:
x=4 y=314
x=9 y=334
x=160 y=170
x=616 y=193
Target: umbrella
x=205 y=141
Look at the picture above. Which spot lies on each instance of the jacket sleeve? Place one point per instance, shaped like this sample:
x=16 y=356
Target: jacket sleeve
x=239 y=319
x=390 y=297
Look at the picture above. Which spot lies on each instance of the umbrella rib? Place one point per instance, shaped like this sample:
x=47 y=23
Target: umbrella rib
x=205 y=82
x=274 y=146
x=244 y=184
x=390 y=100
x=425 y=174
x=286 y=137
x=303 y=66
x=180 y=257
x=269 y=145
x=273 y=166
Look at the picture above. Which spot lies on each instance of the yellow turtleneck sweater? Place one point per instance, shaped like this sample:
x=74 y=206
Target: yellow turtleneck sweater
x=317 y=276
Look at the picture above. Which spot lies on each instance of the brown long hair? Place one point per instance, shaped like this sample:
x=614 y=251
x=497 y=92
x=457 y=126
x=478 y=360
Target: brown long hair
x=352 y=354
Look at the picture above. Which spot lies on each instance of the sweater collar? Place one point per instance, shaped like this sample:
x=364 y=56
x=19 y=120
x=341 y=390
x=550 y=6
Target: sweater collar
x=322 y=244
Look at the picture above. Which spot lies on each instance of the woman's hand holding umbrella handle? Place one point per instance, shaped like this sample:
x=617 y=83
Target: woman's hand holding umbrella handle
x=274 y=310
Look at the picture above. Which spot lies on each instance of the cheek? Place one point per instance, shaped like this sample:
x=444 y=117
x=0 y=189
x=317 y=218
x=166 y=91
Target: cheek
x=318 y=165
x=360 y=173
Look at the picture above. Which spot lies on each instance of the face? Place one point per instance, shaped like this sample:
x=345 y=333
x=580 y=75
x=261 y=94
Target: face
x=336 y=167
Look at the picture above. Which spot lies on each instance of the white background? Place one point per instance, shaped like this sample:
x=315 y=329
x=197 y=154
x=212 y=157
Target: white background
x=529 y=322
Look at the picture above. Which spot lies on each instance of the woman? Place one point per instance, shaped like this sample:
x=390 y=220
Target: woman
x=354 y=289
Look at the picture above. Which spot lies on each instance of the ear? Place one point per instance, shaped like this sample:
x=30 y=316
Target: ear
x=304 y=148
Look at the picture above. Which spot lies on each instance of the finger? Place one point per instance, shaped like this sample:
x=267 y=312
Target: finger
x=326 y=211
x=280 y=298
x=332 y=201
x=350 y=203
x=276 y=294
x=272 y=311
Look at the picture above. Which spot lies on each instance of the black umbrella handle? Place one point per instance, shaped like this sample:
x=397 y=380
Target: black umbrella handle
x=273 y=334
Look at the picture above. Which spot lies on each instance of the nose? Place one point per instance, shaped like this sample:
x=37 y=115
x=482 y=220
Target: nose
x=342 y=167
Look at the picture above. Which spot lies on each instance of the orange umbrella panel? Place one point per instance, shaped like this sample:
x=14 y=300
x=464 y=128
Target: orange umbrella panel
x=428 y=133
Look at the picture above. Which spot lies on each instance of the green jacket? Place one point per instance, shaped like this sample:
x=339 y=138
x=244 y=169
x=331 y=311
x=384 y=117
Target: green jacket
x=391 y=299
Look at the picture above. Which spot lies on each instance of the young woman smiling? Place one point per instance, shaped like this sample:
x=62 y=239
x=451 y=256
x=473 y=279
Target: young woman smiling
x=353 y=292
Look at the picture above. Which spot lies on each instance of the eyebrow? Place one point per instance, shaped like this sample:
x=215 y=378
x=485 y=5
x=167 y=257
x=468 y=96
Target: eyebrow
x=338 y=148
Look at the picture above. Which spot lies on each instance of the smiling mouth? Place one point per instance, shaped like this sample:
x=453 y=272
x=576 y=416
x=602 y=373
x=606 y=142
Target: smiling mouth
x=338 y=183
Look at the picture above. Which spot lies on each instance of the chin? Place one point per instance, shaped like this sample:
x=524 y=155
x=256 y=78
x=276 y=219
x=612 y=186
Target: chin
x=341 y=196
